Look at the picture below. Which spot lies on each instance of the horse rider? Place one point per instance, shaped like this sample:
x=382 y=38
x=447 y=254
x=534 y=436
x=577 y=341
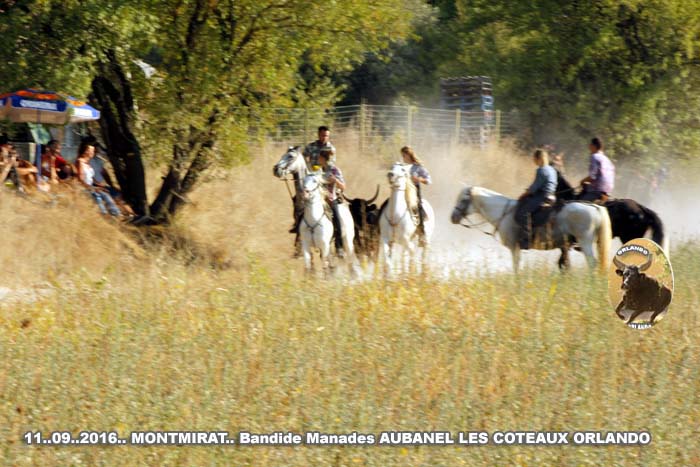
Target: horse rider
x=333 y=182
x=311 y=153
x=313 y=150
x=419 y=174
x=599 y=183
x=541 y=191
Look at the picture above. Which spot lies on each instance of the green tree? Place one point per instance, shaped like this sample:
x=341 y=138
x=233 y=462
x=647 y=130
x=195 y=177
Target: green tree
x=212 y=57
x=621 y=69
x=624 y=70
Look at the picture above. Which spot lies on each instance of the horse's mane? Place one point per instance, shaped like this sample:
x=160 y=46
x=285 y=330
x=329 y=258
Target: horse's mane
x=321 y=183
x=488 y=191
x=411 y=194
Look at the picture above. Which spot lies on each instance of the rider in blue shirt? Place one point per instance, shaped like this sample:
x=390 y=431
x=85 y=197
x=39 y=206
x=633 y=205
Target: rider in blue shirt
x=540 y=191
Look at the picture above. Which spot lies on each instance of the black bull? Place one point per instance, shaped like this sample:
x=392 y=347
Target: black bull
x=642 y=293
x=364 y=215
x=628 y=218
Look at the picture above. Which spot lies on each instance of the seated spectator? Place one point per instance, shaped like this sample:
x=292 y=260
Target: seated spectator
x=86 y=176
x=8 y=162
x=27 y=173
x=22 y=173
x=53 y=165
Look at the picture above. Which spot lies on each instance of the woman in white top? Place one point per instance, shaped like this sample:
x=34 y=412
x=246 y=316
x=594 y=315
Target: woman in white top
x=86 y=175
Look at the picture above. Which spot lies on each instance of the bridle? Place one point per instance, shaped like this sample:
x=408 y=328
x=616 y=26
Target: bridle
x=388 y=219
x=506 y=210
x=303 y=217
x=286 y=179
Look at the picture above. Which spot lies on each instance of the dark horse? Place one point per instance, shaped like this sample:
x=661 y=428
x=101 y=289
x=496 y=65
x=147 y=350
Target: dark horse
x=628 y=218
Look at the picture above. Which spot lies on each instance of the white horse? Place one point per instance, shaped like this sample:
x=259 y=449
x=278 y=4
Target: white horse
x=316 y=228
x=587 y=222
x=292 y=163
x=397 y=223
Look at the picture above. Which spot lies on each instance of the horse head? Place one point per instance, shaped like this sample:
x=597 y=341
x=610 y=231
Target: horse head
x=464 y=206
x=398 y=175
x=312 y=186
x=291 y=161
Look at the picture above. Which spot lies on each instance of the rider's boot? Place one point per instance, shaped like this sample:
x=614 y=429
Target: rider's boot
x=295 y=226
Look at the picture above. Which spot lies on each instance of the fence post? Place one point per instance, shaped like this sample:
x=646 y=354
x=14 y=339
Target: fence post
x=498 y=126
x=363 y=123
x=409 y=125
x=306 y=125
x=458 y=125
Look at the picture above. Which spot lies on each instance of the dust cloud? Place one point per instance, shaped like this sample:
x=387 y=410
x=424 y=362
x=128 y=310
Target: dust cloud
x=248 y=212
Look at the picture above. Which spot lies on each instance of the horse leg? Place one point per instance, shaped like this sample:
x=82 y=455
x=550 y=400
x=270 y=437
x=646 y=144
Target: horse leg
x=308 y=258
x=386 y=249
x=297 y=246
x=410 y=248
x=564 y=263
x=325 y=258
x=424 y=257
x=587 y=248
x=351 y=257
x=515 y=253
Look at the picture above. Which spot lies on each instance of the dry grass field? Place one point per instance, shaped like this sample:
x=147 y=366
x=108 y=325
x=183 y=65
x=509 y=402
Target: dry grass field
x=101 y=330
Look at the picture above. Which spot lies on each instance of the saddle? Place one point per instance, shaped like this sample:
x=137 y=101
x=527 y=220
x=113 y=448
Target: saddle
x=542 y=222
x=545 y=213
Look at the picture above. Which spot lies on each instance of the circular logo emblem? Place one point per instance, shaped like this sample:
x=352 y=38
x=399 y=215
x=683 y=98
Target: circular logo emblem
x=640 y=283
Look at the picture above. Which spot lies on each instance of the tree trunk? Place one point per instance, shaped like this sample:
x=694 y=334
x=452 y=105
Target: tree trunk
x=111 y=94
x=172 y=194
x=176 y=186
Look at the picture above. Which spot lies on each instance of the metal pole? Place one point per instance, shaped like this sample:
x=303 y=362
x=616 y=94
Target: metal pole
x=458 y=125
x=37 y=156
x=498 y=126
x=363 y=128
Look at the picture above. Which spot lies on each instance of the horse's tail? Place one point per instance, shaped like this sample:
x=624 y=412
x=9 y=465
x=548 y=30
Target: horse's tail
x=657 y=228
x=604 y=238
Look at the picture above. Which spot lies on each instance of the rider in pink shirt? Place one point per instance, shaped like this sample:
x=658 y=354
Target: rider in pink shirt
x=599 y=183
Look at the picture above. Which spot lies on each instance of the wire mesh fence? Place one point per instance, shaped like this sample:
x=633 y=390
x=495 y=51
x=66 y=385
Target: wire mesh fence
x=369 y=124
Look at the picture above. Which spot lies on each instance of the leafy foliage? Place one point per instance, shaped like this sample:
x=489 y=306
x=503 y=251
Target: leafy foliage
x=213 y=58
x=611 y=68
x=625 y=71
